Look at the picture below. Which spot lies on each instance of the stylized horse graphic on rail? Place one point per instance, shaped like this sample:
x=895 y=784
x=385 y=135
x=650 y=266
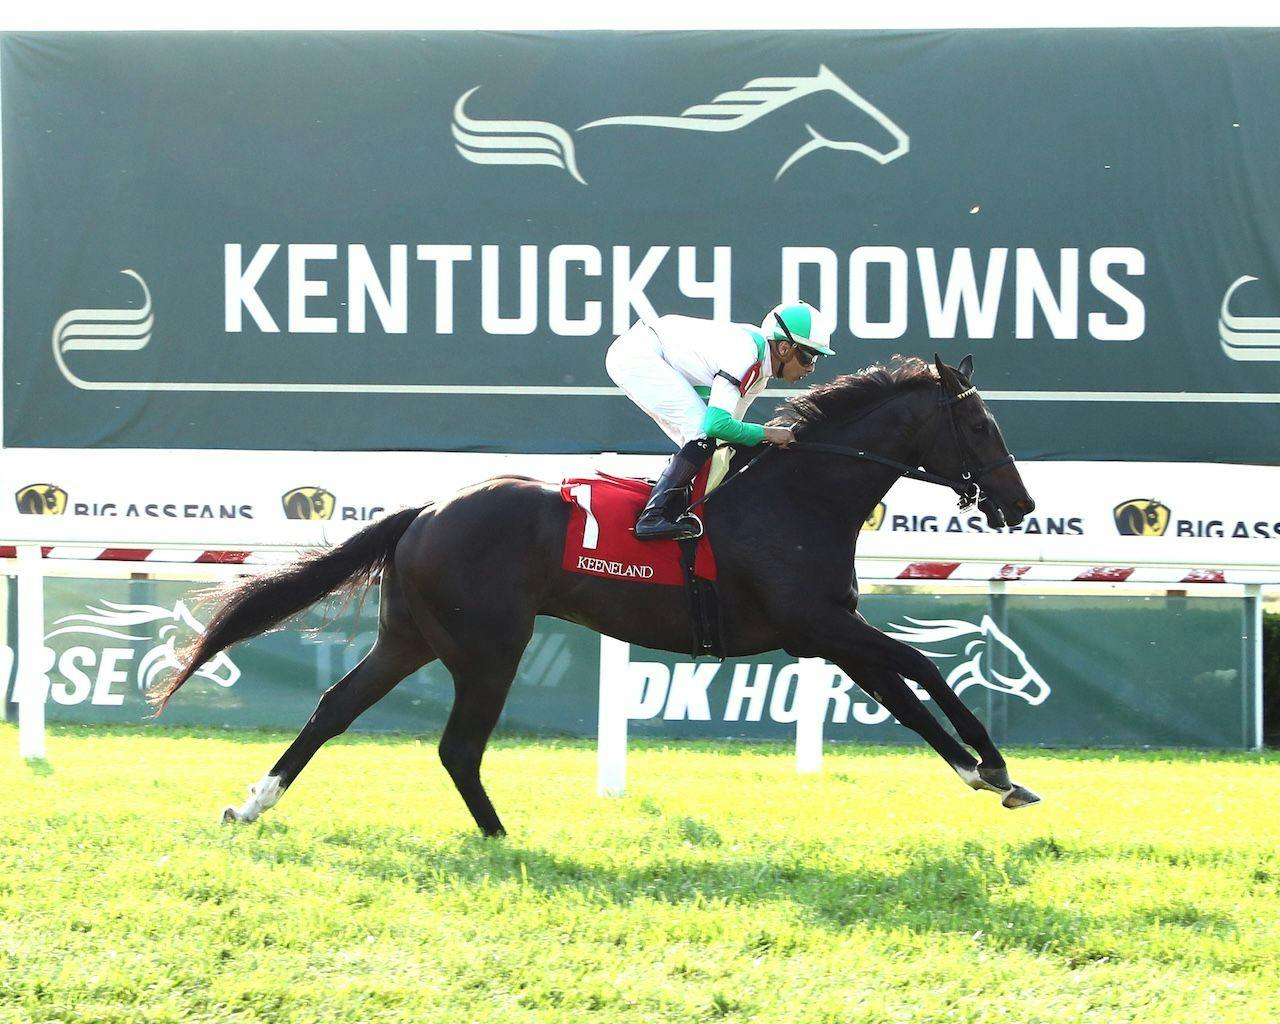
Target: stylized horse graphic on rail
x=542 y=142
x=976 y=668
x=114 y=620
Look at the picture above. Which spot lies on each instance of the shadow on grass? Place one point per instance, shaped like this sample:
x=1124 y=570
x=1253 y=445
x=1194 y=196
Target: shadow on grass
x=960 y=891
x=39 y=766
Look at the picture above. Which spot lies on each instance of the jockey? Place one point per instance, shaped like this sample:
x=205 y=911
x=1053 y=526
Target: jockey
x=696 y=378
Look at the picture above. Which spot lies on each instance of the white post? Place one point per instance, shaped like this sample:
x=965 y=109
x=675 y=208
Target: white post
x=611 y=732
x=31 y=685
x=811 y=714
x=1253 y=656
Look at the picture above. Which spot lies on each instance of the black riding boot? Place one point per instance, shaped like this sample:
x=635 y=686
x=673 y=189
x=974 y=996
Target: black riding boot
x=666 y=516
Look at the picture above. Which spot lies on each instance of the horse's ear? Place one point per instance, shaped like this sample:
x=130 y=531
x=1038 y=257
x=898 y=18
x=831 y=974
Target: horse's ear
x=966 y=368
x=945 y=373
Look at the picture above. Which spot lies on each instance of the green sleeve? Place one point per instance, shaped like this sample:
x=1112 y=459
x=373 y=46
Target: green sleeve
x=719 y=424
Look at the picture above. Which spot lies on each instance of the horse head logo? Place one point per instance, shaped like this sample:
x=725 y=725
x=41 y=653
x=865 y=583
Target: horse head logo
x=41 y=500
x=876 y=519
x=115 y=621
x=981 y=642
x=1141 y=517
x=542 y=142
x=308 y=503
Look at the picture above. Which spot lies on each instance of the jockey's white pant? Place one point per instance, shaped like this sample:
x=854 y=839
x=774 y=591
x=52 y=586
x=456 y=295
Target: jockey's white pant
x=635 y=363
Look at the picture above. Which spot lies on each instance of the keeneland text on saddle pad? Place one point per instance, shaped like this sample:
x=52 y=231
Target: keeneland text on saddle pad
x=601 y=540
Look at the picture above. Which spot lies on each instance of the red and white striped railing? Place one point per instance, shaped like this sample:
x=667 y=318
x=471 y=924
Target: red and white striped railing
x=169 y=555
x=1049 y=572
x=869 y=568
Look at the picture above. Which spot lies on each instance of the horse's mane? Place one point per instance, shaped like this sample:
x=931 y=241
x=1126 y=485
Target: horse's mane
x=850 y=393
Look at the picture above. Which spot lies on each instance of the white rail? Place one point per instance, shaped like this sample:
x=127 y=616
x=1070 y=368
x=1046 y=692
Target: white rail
x=621 y=693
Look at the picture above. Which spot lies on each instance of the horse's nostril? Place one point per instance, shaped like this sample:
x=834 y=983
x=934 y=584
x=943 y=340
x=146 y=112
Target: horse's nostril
x=1025 y=505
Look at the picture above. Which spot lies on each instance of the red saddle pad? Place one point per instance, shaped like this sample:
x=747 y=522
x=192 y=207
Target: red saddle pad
x=601 y=540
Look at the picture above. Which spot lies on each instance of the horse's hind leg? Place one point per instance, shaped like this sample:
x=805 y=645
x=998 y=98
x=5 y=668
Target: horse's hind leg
x=399 y=650
x=482 y=653
x=476 y=606
x=476 y=708
x=482 y=677
x=390 y=660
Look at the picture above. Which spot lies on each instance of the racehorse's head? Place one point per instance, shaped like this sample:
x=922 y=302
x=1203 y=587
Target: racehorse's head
x=961 y=440
x=984 y=645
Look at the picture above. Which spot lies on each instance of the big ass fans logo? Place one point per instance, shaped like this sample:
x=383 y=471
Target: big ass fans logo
x=308 y=503
x=312 y=502
x=1141 y=517
x=41 y=500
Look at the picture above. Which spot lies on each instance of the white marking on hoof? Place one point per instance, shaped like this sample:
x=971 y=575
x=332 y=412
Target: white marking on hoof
x=975 y=781
x=263 y=795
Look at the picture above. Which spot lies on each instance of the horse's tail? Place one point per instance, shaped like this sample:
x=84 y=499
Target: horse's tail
x=254 y=604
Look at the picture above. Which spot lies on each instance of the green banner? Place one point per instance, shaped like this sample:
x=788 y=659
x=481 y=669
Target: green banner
x=1068 y=671
x=322 y=241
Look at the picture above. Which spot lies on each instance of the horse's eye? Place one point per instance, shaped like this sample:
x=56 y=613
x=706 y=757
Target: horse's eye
x=980 y=427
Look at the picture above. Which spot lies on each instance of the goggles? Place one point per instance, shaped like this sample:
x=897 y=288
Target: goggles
x=806 y=356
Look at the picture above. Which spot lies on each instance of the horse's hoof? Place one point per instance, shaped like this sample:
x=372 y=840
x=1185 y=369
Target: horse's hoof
x=995 y=779
x=1019 y=796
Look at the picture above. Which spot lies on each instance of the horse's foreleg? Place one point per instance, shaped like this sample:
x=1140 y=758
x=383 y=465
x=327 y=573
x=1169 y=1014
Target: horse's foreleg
x=390 y=660
x=892 y=691
x=848 y=636
x=909 y=662
x=992 y=774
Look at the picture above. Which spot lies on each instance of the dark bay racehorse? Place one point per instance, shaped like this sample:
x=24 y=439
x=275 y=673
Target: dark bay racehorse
x=463 y=580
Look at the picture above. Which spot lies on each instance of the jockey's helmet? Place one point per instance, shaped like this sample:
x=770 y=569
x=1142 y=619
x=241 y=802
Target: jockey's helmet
x=804 y=326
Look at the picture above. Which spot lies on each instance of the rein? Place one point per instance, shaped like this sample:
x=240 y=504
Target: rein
x=968 y=486
x=914 y=472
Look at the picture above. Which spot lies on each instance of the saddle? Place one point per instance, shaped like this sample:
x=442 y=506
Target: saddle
x=600 y=541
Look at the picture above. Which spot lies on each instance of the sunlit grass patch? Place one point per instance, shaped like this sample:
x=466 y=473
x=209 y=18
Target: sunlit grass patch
x=723 y=887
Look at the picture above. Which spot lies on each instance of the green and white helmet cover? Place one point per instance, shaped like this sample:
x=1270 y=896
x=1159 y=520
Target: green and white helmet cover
x=805 y=323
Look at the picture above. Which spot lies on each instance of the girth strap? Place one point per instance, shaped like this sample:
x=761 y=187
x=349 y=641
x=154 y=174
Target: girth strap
x=704 y=605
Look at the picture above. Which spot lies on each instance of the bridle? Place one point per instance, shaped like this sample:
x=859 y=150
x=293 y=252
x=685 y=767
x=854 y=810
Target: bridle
x=968 y=485
x=972 y=470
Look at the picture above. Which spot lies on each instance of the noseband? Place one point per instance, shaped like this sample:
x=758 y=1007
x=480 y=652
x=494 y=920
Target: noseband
x=969 y=486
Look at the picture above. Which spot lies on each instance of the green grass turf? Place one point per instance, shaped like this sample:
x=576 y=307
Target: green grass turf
x=721 y=888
